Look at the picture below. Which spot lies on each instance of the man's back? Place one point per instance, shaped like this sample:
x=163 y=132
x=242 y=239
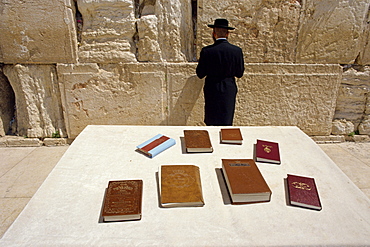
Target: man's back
x=221 y=60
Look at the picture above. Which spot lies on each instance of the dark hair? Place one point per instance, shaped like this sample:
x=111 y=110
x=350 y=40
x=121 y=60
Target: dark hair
x=221 y=32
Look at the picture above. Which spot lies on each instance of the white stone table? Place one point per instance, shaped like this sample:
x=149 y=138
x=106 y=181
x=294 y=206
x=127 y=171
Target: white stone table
x=66 y=210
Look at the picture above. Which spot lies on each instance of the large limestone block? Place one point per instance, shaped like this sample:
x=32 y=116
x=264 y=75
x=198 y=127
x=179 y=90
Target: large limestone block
x=175 y=30
x=332 y=31
x=185 y=95
x=353 y=97
x=108 y=31
x=131 y=94
x=148 y=46
x=38 y=100
x=171 y=94
x=364 y=57
x=288 y=94
x=265 y=30
x=37 y=31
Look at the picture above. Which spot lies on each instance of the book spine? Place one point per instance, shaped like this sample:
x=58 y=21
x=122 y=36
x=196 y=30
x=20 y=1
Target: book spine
x=155 y=143
x=163 y=146
x=149 y=141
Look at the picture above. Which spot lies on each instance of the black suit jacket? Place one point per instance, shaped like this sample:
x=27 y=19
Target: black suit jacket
x=221 y=60
x=220 y=63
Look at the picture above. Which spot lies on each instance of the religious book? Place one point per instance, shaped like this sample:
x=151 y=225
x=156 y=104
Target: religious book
x=197 y=141
x=303 y=192
x=267 y=151
x=180 y=186
x=232 y=136
x=123 y=200
x=245 y=182
x=156 y=145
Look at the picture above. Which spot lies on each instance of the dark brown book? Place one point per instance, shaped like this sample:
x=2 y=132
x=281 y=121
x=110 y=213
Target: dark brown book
x=267 y=151
x=180 y=186
x=245 y=181
x=197 y=141
x=123 y=200
x=232 y=136
x=303 y=192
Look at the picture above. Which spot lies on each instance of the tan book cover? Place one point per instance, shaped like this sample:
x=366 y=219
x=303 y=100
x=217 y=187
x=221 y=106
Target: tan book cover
x=232 y=136
x=197 y=141
x=245 y=181
x=180 y=186
x=123 y=200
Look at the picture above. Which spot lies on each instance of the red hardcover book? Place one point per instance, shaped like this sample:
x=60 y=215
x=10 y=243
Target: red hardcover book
x=267 y=151
x=303 y=192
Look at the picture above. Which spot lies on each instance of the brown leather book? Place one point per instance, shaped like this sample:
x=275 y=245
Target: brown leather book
x=232 y=136
x=245 y=181
x=180 y=186
x=267 y=151
x=197 y=141
x=123 y=200
x=303 y=192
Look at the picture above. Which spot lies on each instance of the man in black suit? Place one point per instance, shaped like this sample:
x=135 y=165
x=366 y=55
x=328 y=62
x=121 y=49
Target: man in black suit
x=220 y=63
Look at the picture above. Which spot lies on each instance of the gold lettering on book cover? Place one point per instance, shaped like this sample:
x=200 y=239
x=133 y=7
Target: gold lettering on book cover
x=267 y=148
x=121 y=199
x=181 y=179
x=301 y=185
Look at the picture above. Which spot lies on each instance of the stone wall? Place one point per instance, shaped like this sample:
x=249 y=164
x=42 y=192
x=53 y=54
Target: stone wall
x=352 y=111
x=74 y=63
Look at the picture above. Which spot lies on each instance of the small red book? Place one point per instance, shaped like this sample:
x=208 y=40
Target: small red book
x=303 y=192
x=267 y=151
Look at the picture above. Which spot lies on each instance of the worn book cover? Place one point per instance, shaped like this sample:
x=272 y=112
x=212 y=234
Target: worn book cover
x=123 y=200
x=197 y=141
x=245 y=181
x=180 y=186
x=303 y=192
x=232 y=135
x=156 y=145
x=267 y=151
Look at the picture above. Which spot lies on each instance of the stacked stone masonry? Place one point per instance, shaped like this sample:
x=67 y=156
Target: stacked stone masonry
x=65 y=64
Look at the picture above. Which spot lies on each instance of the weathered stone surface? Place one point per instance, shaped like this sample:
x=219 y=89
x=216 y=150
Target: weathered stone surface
x=364 y=127
x=353 y=101
x=112 y=94
x=108 y=30
x=7 y=103
x=332 y=31
x=185 y=95
x=55 y=142
x=38 y=101
x=288 y=94
x=171 y=94
x=275 y=31
x=175 y=30
x=328 y=139
x=18 y=141
x=37 y=31
x=265 y=30
x=342 y=127
x=364 y=56
x=148 y=46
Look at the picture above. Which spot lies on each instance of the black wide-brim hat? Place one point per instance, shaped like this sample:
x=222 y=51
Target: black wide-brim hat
x=221 y=23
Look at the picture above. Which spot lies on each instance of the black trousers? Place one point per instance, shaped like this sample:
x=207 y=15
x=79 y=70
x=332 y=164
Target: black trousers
x=219 y=96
